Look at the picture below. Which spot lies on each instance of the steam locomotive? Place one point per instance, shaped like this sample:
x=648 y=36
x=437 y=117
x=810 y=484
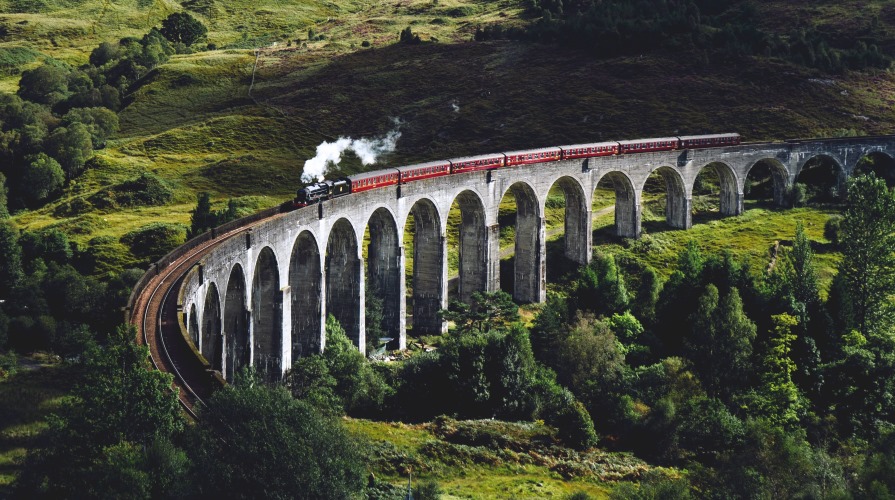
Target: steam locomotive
x=314 y=193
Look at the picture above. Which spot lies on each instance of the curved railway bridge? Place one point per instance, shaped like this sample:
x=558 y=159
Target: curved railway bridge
x=256 y=291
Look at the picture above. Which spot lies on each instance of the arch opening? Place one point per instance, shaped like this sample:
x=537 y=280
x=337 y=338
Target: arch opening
x=305 y=281
x=821 y=180
x=212 y=340
x=267 y=320
x=424 y=247
x=343 y=279
x=468 y=245
x=767 y=181
x=566 y=201
x=521 y=227
x=878 y=163
x=382 y=304
x=663 y=197
x=616 y=188
x=236 y=324
x=714 y=193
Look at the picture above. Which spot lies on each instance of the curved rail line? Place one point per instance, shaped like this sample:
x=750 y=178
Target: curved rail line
x=154 y=313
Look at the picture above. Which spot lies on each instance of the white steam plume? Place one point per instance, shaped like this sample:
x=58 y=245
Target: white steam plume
x=330 y=153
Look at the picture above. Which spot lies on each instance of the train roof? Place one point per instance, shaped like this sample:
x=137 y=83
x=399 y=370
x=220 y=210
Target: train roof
x=478 y=157
x=539 y=150
x=650 y=139
x=423 y=165
x=707 y=136
x=589 y=145
x=375 y=173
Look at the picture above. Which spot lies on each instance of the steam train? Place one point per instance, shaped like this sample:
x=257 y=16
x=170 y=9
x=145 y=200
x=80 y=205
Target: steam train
x=314 y=193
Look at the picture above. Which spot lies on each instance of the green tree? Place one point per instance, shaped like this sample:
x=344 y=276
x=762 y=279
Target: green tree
x=94 y=446
x=487 y=311
x=45 y=84
x=600 y=288
x=42 y=178
x=181 y=27
x=310 y=380
x=719 y=342
x=202 y=219
x=101 y=123
x=868 y=263
x=10 y=258
x=549 y=329
x=361 y=389
x=779 y=400
x=253 y=440
x=4 y=212
x=802 y=274
x=71 y=146
x=676 y=304
x=646 y=297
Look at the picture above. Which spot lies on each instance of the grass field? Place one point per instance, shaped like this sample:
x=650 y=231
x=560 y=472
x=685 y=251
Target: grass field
x=26 y=399
x=525 y=465
x=194 y=123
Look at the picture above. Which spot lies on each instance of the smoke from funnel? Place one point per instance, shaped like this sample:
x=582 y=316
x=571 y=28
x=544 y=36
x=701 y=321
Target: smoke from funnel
x=368 y=150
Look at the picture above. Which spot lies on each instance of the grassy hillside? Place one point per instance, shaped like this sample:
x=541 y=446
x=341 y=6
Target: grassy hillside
x=193 y=121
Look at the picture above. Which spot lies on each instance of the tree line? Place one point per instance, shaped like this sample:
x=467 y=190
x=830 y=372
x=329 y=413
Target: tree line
x=725 y=30
x=60 y=115
x=755 y=383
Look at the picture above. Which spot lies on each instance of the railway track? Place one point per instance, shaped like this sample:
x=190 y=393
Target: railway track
x=154 y=313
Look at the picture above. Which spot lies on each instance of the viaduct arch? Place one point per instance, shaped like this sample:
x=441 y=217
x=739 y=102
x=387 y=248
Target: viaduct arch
x=261 y=297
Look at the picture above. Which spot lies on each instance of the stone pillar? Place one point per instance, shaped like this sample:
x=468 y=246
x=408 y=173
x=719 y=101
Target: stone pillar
x=402 y=302
x=678 y=211
x=578 y=235
x=530 y=266
x=443 y=299
x=491 y=258
x=324 y=307
x=542 y=261
x=429 y=278
x=286 y=328
x=627 y=215
x=475 y=253
x=361 y=313
x=731 y=203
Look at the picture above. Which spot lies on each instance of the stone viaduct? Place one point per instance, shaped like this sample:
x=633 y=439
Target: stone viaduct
x=262 y=298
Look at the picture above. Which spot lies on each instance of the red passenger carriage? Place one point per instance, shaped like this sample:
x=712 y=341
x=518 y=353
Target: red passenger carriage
x=373 y=180
x=589 y=150
x=709 y=141
x=648 y=145
x=474 y=163
x=424 y=171
x=533 y=156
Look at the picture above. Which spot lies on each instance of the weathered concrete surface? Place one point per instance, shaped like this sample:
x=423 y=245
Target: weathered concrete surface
x=263 y=298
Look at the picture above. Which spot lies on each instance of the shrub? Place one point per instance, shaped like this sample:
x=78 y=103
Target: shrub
x=42 y=179
x=180 y=27
x=798 y=195
x=154 y=240
x=832 y=229
x=146 y=190
x=408 y=37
